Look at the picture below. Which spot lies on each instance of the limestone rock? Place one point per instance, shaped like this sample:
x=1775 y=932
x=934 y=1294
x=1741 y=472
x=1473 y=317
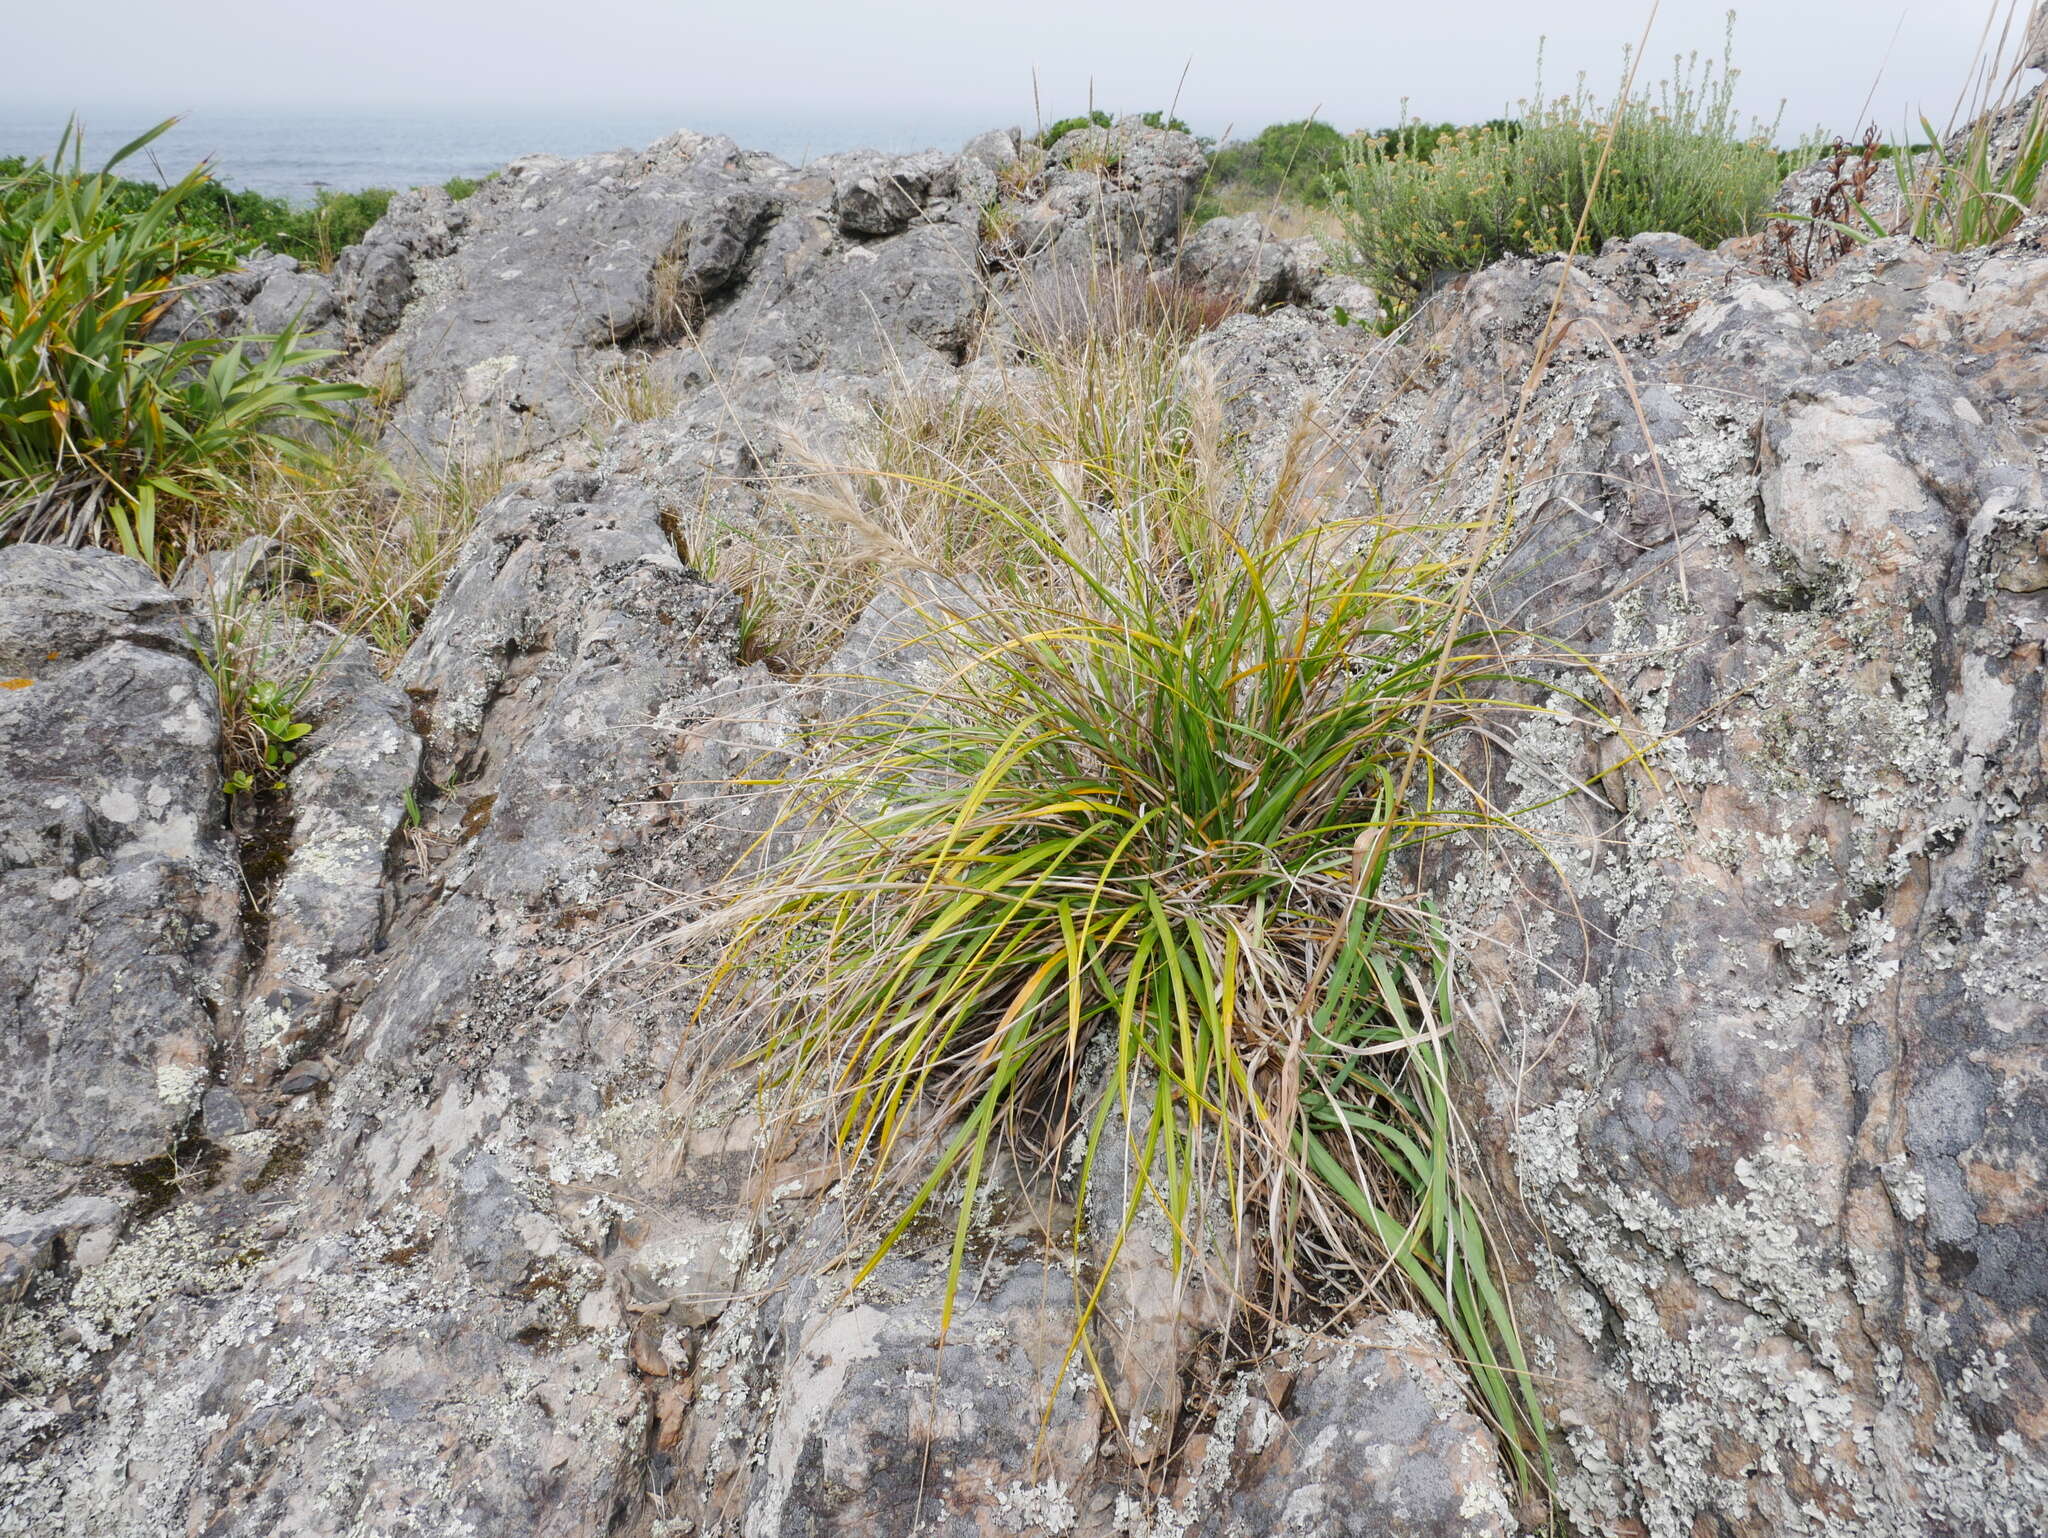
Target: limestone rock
x=119 y=896
x=323 y=915
x=1775 y=1144
x=1237 y=257
x=899 y=640
x=374 y=279
x=882 y=1428
x=393 y=1209
x=268 y=294
x=79 y=1230
x=1372 y=1440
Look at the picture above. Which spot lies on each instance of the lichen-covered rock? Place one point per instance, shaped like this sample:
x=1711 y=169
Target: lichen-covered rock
x=552 y=261
x=420 y=1225
x=882 y=1427
x=120 y=900
x=506 y=313
x=1236 y=256
x=1121 y=193
x=387 y=1300
x=77 y=1231
x=900 y=640
x=879 y=196
x=1777 y=1107
x=1364 y=1436
x=325 y=907
x=374 y=279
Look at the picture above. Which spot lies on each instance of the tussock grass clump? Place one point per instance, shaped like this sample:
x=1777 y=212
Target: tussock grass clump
x=1683 y=162
x=99 y=425
x=1132 y=887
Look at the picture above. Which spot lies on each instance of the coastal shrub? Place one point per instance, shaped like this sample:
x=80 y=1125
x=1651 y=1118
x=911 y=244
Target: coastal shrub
x=1683 y=160
x=314 y=233
x=1290 y=161
x=1095 y=117
x=1124 y=895
x=102 y=428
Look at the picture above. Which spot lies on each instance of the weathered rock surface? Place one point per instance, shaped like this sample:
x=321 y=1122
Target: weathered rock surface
x=1236 y=257
x=388 y=1208
x=497 y=320
x=267 y=295
x=1367 y=1436
x=120 y=904
x=1778 y=1108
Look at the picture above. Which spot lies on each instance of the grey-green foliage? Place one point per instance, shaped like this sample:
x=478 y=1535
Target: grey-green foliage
x=1683 y=160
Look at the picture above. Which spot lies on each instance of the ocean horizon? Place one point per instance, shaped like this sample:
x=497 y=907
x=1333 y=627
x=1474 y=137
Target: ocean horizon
x=295 y=155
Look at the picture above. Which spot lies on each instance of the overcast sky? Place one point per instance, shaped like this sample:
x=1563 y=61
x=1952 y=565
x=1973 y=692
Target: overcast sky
x=1251 y=61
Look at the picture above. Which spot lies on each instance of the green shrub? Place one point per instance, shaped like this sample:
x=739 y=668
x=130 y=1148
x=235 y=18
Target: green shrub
x=100 y=427
x=1094 y=118
x=247 y=221
x=1286 y=160
x=1121 y=895
x=1683 y=162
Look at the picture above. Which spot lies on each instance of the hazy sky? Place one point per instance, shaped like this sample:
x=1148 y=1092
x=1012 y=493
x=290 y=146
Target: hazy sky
x=1252 y=61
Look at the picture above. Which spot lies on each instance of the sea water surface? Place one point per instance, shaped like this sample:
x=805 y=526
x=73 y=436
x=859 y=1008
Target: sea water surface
x=294 y=154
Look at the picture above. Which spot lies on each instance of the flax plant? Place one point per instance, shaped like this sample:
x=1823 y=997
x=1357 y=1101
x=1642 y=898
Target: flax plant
x=102 y=424
x=1132 y=885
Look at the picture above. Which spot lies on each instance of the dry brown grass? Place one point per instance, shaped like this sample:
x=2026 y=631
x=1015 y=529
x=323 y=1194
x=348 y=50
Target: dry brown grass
x=1092 y=357
x=373 y=547
x=1283 y=220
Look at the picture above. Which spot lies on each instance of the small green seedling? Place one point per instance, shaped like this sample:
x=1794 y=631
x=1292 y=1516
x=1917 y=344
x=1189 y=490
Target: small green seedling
x=271 y=707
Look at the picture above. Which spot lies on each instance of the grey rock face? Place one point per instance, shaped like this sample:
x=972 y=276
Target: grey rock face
x=866 y=1386
x=898 y=641
x=269 y=294
x=1237 y=257
x=878 y=201
x=555 y=260
x=1122 y=193
x=323 y=918
x=1375 y=1442
x=119 y=895
x=374 y=280
x=434 y=1233
x=80 y=1229
x=403 y=1244
x=516 y=302
x=1778 y=1142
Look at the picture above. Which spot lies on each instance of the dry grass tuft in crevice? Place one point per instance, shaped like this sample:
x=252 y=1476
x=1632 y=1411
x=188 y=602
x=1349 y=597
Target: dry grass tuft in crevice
x=373 y=546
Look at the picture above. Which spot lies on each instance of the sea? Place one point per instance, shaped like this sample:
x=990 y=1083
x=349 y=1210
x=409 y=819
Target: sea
x=294 y=155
